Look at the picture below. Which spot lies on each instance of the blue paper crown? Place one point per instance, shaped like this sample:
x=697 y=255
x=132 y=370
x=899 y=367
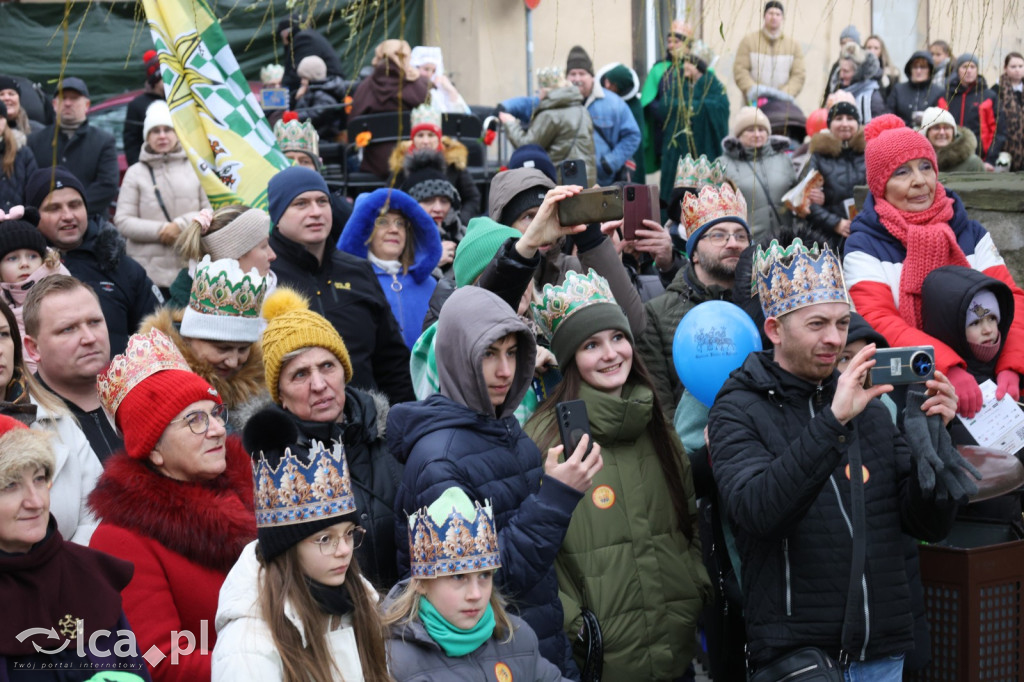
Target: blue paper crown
x=460 y=543
x=298 y=492
x=795 y=277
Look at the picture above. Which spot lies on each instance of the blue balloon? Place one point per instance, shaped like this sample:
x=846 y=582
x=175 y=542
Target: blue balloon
x=712 y=340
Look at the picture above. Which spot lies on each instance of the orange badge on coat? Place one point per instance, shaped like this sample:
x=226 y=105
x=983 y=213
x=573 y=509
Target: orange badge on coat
x=865 y=474
x=502 y=672
x=603 y=497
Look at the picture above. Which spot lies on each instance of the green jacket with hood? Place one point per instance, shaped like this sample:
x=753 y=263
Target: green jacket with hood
x=623 y=556
x=563 y=127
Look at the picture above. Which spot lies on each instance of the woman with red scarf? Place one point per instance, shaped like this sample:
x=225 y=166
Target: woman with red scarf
x=909 y=226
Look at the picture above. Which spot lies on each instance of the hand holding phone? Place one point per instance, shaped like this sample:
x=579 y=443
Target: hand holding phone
x=573 y=424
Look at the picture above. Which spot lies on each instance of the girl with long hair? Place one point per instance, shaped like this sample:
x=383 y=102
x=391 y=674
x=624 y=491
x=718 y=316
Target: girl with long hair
x=1009 y=137
x=17 y=162
x=448 y=621
x=296 y=606
x=638 y=525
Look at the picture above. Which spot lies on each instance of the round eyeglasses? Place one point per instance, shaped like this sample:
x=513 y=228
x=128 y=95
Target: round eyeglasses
x=328 y=544
x=199 y=422
x=722 y=238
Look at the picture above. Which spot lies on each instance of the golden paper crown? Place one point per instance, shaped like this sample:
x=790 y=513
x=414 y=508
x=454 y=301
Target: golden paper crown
x=425 y=114
x=300 y=491
x=697 y=173
x=550 y=77
x=293 y=136
x=575 y=293
x=711 y=204
x=451 y=536
x=791 y=278
x=145 y=355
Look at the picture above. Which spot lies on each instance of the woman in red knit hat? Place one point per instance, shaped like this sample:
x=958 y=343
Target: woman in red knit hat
x=909 y=226
x=177 y=502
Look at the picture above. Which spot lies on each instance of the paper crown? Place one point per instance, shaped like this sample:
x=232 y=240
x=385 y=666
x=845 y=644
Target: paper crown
x=145 y=355
x=558 y=303
x=225 y=302
x=550 y=77
x=791 y=278
x=711 y=204
x=451 y=536
x=293 y=136
x=699 y=172
x=297 y=491
x=425 y=115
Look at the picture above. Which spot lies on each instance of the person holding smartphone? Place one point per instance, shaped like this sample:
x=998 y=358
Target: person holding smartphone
x=638 y=525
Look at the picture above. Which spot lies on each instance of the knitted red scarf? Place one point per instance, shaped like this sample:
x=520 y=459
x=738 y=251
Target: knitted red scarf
x=930 y=244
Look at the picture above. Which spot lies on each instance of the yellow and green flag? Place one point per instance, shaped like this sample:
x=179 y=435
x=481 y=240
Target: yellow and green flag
x=218 y=120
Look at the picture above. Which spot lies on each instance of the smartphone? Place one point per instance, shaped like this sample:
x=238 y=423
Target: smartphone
x=907 y=365
x=641 y=203
x=572 y=172
x=573 y=424
x=596 y=205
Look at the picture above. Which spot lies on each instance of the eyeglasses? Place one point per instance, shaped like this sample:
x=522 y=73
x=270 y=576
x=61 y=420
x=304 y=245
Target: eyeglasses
x=722 y=238
x=391 y=222
x=328 y=544
x=199 y=422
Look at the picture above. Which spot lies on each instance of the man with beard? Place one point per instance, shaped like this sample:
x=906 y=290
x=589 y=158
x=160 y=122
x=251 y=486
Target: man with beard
x=716 y=233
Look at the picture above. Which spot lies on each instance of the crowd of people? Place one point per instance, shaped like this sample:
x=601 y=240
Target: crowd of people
x=330 y=440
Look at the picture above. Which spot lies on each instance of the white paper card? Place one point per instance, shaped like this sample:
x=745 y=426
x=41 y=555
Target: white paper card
x=999 y=424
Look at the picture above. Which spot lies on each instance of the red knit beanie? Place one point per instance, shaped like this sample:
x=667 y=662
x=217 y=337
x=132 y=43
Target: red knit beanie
x=890 y=144
x=149 y=407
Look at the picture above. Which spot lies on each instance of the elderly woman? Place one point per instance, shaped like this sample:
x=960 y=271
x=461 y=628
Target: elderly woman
x=954 y=146
x=43 y=578
x=394 y=85
x=235 y=231
x=177 y=501
x=307 y=370
x=76 y=467
x=390 y=229
x=160 y=195
x=909 y=226
x=858 y=74
x=754 y=160
x=218 y=333
x=838 y=154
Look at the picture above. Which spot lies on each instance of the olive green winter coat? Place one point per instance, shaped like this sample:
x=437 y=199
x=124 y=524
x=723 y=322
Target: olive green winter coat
x=563 y=127
x=623 y=556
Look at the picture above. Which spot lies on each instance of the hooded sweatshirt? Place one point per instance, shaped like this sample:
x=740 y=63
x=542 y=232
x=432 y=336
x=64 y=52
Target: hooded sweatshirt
x=945 y=297
x=907 y=98
x=458 y=438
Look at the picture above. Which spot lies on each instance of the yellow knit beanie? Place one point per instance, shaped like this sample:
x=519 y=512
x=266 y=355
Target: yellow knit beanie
x=291 y=325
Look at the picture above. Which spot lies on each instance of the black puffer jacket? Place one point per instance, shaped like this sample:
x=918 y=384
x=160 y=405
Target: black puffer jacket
x=374 y=472
x=345 y=290
x=127 y=295
x=906 y=98
x=12 y=187
x=842 y=167
x=965 y=102
x=781 y=476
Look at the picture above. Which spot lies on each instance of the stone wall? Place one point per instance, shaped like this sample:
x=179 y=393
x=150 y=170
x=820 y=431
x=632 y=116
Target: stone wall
x=996 y=200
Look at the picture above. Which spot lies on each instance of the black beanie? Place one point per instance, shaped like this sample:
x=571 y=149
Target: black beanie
x=45 y=180
x=22 y=233
x=525 y=200
x=3 y=110
x=843 y=109
x=425 y=178
x=8 y=83
x=579 y=59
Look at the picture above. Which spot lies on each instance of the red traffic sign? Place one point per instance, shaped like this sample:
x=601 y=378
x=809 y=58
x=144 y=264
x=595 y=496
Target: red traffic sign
x=532 y=4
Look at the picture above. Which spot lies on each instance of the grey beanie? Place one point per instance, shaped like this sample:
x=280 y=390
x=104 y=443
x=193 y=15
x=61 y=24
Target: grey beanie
x=850 y=32
x=967 y=57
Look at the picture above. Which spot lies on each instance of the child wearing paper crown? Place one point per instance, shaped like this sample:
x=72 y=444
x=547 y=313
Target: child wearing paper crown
x=638 y=525
x=24 y=260
x=295 y=607
x=448 y=621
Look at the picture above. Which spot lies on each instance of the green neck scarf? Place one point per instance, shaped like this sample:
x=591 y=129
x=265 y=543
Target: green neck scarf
x=456 y=641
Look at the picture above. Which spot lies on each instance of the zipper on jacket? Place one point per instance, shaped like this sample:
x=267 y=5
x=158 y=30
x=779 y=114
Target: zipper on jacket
x=789 y=590
x=99 y=427
x=396 y=286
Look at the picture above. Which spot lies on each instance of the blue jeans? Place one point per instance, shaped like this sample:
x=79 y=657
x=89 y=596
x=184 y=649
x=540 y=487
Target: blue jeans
x=888 y=669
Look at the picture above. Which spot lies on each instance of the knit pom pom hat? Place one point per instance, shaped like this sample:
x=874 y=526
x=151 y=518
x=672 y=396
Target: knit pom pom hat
x=18 y=230
x=890 y=144
x=291 y=326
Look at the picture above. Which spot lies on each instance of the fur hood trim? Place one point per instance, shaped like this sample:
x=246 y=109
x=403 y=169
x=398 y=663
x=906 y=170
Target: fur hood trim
x=957 y=151
x=243 y=388
x=360 y=225
x=207 y=522
x=733 y=148
x=827 y=144
x=455 y=154
x=105 y=243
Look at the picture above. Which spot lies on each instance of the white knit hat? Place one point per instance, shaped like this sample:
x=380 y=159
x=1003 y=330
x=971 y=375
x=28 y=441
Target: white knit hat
x=225 y=303
x=934 y=116
x=156 y=115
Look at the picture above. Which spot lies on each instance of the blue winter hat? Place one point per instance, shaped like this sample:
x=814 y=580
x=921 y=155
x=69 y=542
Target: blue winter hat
x=533 y=156
x=290 y=183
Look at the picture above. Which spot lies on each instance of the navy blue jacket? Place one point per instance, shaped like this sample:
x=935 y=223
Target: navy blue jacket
x=12 y=187
x=91 y=156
